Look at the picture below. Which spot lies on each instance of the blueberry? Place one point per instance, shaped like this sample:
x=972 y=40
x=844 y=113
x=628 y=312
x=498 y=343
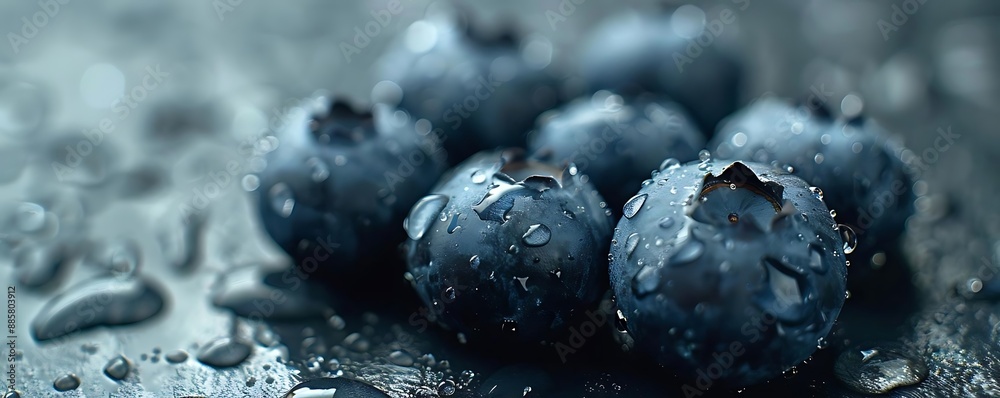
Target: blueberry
x=508 y=249
x=731 y=270
x=476 y=89
x=633 y=52
x=855 y=163
x=340 y=182
x=616 y=143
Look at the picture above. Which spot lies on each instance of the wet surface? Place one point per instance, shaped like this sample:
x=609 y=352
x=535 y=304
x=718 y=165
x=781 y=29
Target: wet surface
x=142 y=270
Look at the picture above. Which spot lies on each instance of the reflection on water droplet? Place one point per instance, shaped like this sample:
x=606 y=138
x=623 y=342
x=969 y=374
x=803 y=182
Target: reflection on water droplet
x=524 y=282
x=118 y=368
x=537 y=235
x=474 y=262
x=669 y=163
x=224 y=352
x=282 y=199
x=704 y=155
x=453 y=226
x=66 y=382
x=478 y=177
x=97 y=302
x=446 y=388
x=176 y=356
x=631 y=243
x=423 y=214
x=818 y=193
x=633 y=205
x=849 y=236
x=880 y=369
x=666 y=222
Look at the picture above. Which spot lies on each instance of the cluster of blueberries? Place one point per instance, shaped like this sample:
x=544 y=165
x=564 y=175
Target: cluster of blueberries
x=520 y=210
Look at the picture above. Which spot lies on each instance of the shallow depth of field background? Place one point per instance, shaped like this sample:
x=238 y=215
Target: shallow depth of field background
x=219 y=74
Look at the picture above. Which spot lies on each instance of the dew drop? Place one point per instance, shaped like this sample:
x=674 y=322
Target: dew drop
x=176 y=356
x=98 y=302
x=282 y=199
x=118 y=368
x=879 y=369
x=67 y=382
x=478 y=177
x=474 y=261
x=666 y=222
x=224 y=352
x=621 y=322
x=833 y=213
x=537 y=235
x=633 y=205
x=818 y=193
x=524 y=282
x=849 y=236
x=669 y=163
x=446 y=388
x=704 y=155
x=423 y=215
x=734 y=218
x=631 y=243
x=453 y=226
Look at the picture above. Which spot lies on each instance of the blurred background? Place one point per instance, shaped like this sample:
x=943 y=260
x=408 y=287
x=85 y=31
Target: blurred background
x=116 y=117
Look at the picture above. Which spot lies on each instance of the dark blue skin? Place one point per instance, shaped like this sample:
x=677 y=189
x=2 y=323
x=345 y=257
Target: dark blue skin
x=351 y=176
x=633 y=53
x=508 y=249
x=731 y=269
x=854 y=162
x=614 y=144
x=474 y=87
